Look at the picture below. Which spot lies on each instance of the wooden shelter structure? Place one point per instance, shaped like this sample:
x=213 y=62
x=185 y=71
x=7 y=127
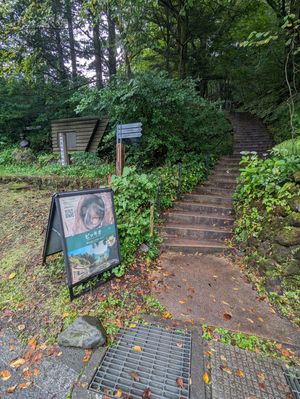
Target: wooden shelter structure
x=81 y=134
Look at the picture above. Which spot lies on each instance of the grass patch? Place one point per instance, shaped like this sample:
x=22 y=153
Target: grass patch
x=250 y=343
x=36 y=295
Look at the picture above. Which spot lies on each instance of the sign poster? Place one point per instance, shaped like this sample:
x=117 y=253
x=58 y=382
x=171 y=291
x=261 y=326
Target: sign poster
x=88 y=232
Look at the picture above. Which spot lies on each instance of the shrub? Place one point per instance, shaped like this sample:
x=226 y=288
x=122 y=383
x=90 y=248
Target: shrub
x=265 y=185
x=176 y=120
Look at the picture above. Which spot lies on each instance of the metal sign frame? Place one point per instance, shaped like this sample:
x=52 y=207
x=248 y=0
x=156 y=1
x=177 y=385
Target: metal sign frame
x=129 y=131
x=57 y=235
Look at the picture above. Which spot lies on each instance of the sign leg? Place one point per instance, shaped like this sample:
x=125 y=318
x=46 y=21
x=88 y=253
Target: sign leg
x=120 y=159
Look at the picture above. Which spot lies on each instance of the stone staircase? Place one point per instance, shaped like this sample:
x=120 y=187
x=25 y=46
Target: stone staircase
x=202 y=221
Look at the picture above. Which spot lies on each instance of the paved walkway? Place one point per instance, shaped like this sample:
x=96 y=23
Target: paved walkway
x=210 y=289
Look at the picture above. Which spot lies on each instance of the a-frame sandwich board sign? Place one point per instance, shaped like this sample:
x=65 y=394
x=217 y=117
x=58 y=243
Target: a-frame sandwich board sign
x=83 y=225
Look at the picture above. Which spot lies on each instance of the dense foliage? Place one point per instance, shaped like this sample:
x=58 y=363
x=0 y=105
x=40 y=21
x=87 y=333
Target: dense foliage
x=17 y=162
x=140 y=196
x=265 y=185
x=267 y=203
x=176 y=120
x=246 y=53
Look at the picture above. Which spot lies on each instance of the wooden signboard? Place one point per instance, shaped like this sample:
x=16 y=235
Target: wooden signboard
x=64 y=156
x=82 y=224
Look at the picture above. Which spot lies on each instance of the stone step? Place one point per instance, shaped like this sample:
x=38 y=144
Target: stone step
x=219 y=175
x=209 y=199
x=226 y=183
x=203 y=218
x=213 y=190
x=225 y=177
x=194 y=246
x=215 y=209
x=195 y=232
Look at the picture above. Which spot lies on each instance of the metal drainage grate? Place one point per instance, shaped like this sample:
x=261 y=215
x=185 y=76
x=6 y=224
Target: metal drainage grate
x=293 y=379
x=163 y=358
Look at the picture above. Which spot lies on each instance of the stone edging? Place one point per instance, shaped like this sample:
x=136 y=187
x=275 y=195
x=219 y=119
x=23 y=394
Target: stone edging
x=55 y=182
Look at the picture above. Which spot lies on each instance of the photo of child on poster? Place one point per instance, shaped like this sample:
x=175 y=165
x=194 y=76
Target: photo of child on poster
x=90 y=233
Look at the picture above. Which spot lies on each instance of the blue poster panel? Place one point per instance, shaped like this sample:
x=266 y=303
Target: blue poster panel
x=85 y=223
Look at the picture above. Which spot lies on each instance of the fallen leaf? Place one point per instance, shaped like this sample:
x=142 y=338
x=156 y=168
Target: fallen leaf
x=286 y=352
x=25 y=385
x=261 y=376
x=261 y=386
x=251 y=321
x=87 y=356
x=32 y=343
x=43 y=346
x=179 y=344
x=225 y=303
x=240 y=373
x=147 y=393
x=5 y=375
x=27 y=373
x=260 y=319
x=227 y=316
x=36 y=372
x=179 y=382
x=11 y=389
x=132 y=325
x=119 y=393
x=167 y=315
x=222 y=357
x=12 y=348
x=12 y=276
x=182 y=302
x=134 y=375
x=226 y=369
x=17 y=363
x=137 y=348
x=205 y=377
x=21 y=327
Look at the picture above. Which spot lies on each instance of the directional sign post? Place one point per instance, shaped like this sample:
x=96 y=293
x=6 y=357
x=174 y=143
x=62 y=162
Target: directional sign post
x=126 y=134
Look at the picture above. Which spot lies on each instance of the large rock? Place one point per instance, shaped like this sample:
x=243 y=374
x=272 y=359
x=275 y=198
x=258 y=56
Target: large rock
x=295 y=203
x=292 y=268
x=288 y=236
x=85 y=332
x=297 y=177
x=23 y=155
x=294 y=219
x=281 y=253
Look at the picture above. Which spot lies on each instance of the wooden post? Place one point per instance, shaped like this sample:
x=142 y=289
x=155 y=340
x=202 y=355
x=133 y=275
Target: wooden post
x=64 y=156
x=120 y=159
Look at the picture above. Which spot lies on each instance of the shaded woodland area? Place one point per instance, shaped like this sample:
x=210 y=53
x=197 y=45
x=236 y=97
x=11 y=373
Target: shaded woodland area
x=55 y=55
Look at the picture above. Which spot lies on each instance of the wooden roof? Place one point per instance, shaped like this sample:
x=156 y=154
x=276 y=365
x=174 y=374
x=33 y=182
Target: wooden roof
x=89 y=132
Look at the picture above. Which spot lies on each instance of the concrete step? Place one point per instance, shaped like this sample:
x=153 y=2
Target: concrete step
x=194 y=246
x=209 y=199
x=225 y=210
x=196 y=218
x=195 y=232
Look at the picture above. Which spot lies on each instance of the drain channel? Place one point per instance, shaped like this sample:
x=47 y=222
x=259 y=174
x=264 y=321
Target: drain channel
x=145 y=358
x=293 y=379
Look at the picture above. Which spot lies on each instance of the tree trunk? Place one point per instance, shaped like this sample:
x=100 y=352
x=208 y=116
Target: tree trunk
x=71 y=38
x=182 y=25
x=60 y=55
x=112 y=61
x=98 y=54
x=128 y=66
